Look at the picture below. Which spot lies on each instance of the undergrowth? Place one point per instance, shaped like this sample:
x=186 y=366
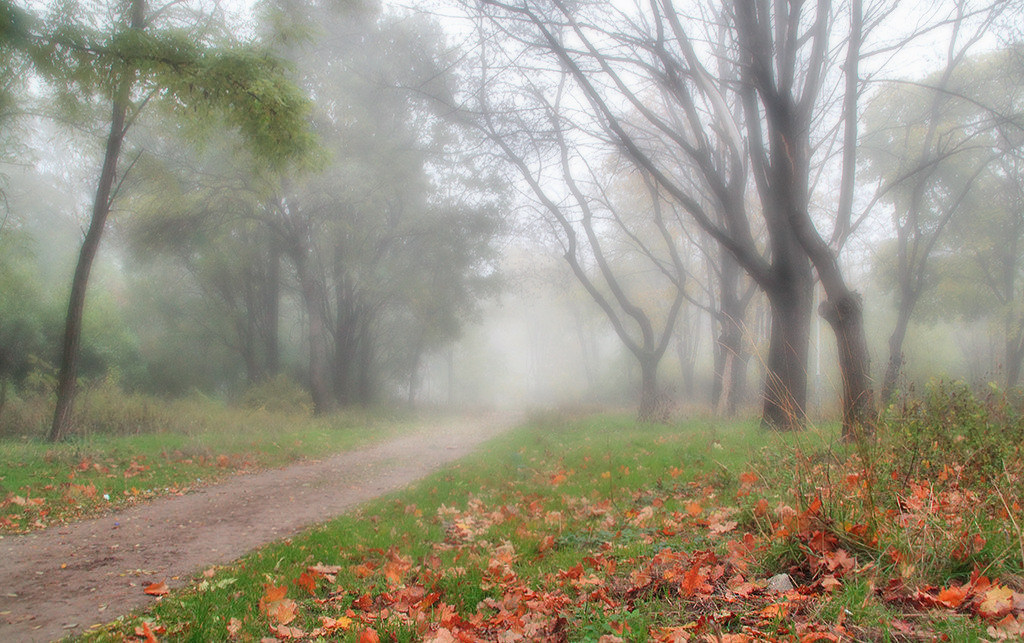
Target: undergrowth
x=602 y=529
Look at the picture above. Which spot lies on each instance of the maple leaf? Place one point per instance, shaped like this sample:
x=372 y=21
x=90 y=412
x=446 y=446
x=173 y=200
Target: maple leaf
x=157 y=589
x=283 y=611
x=330 y=624
x=146 y=633
x=369 y=635
x=307 y=582
x=694 y=509
x=234 y=626
x=998 y=602
x=953 y=596
x=271 y=594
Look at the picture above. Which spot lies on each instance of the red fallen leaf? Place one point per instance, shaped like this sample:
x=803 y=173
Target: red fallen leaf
x=694 y=509
x=762 y=508
x=840 y=561
x=694 y=582
x=363 y=570
x=222 y=460
x=775 y=610
x=157 y=589
x=146 y=633
x=748 y=477
x=369 y=635
x=953 y=596
x=675 y=472
x=306 y=582
x=363 y=603
x=557 y=479
x=546 y=543
x=234 y=626
x=271 y=594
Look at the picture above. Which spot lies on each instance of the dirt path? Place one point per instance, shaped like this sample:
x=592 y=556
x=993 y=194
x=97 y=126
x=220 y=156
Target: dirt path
x=109 y=560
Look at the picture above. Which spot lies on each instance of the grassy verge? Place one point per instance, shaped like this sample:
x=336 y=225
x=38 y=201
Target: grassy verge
x=42 y=484
x=604 y=530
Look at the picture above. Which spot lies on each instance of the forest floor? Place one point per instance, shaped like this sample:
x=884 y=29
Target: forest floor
x=64 y=579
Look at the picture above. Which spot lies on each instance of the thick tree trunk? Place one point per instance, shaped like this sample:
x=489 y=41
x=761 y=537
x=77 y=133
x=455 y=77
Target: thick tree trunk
x=71 y=346
x=648 y=389
x=846 y=317
x=785 y=386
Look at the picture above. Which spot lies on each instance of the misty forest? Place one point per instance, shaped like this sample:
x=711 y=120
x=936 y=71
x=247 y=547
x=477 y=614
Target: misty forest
x=512 y=320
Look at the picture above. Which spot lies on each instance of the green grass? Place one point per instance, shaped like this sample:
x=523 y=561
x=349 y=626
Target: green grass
x=576 y=510
x=43 y=484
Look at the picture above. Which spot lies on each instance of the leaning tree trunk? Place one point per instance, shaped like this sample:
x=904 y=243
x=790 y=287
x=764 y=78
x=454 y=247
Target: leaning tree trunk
x=72 y=343
x=846 y=317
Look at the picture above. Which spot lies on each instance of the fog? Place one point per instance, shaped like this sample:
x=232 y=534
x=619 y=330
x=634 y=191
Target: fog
x=676 y=209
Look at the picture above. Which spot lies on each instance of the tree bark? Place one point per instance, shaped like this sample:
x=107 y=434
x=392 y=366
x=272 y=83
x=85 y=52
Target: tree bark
x=71 y=347
x=846 y=317
x=649 y=411
x=895 y=363
x=785 y=386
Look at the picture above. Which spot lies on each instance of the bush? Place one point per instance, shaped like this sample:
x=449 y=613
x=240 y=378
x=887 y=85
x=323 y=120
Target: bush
x=950 y=425
x=278 y=395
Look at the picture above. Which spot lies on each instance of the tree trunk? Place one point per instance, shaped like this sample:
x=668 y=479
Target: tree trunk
x=319 y=367
x=895 y=363
x=785 y=386
x=71 y=347
x=648 y=389
x=272 y=332
x=846 y=317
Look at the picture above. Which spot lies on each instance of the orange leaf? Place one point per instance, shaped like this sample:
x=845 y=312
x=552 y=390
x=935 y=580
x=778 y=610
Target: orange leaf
x=369 y=635
x=146 y=633
x=272 y=594
x=694 y=509
x=748 y=477
x=283 y=611
x=306 y=582
x=157 y=589
x=953 y=596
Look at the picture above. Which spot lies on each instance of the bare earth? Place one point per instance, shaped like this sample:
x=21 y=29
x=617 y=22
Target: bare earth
x=109 y=560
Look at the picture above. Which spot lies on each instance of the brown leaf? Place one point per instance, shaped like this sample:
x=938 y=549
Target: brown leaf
x=998 y=602
x=234 y=626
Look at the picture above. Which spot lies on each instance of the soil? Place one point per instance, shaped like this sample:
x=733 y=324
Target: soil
x=61 y=581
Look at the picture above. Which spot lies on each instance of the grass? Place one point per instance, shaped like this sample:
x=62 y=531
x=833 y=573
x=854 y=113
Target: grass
x=577 y=529
x=200 y=441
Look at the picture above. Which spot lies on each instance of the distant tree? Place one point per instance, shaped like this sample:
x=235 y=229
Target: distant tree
x=928 y=143
x=144 y=57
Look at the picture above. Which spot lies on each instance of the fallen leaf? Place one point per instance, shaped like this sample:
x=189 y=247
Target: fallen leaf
x=369 y=635
x=234 y=626
x=157 y=589
x=283 y=611
x=998 y=602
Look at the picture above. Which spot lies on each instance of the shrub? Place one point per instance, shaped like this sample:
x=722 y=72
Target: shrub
x=278 y=395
